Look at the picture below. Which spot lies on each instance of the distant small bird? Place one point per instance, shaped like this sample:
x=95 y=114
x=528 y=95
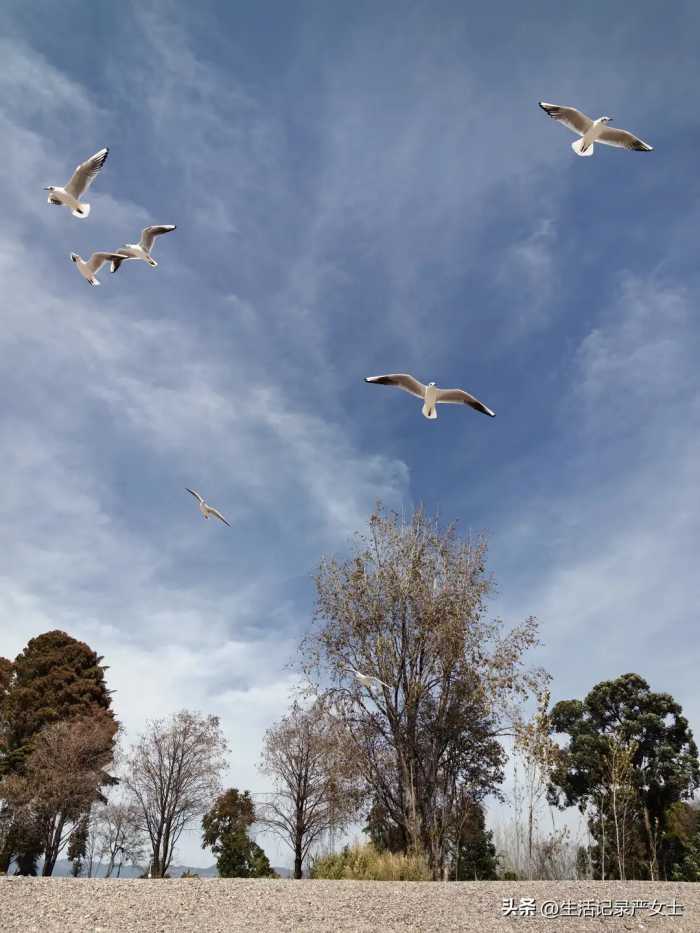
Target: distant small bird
x=80 y=181
x=367 y=680
x=430 y=394
x=88 y=268
x=593 y=131
x=205 y=509
x=142 y=249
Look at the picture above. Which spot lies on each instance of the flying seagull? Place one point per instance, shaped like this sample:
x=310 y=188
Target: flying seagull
x=80 y=181
x=88 y=268
x=367 y=680
x=430 y=394
x=205 y=509
x=593 y=130
x=142 y=249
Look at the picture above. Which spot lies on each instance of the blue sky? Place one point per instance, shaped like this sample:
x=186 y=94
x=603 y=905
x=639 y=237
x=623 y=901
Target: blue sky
x=358 y=188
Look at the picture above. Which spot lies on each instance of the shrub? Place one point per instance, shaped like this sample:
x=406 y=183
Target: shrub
x=364 y=863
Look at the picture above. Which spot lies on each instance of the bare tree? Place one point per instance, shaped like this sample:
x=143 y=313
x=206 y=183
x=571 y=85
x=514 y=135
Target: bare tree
x=538 y=754
x=622 y=794
x=315 y=785
x=408 y=608
x=120 y=838
x=61 y=780
x=173 y=775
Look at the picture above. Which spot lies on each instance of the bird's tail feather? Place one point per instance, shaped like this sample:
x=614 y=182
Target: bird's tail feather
x=82 y=212
x=576 y=146
x=429 y=412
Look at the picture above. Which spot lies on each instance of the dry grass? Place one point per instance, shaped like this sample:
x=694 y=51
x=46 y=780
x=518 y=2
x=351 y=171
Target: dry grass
x=364 y=863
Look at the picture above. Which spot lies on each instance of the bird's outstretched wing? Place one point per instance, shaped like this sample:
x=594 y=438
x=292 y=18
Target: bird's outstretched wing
x=97 y=260
x=117 y=262
x=572 y=118
x=82 y=177
x=378 y=681
x=217 y=514
x=460 y=397
x=148 y=234
x=611 y=136
x=401 y=381
x=192 y=492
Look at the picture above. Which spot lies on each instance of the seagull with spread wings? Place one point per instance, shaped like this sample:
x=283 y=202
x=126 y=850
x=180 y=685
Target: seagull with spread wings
x=593 y=131
x=142 y=249
x=205 y=509
x=88 y=268
x=430 y=395
x=367 y=680
x=80 y=181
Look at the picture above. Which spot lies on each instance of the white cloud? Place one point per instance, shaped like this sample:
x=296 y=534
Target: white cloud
x=614 y=592
x=118 y=397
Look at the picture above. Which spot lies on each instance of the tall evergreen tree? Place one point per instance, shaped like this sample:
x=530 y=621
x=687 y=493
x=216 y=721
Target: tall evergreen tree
x=475 y=853
x=225 y=830
x=661 y=768
x=56 y=678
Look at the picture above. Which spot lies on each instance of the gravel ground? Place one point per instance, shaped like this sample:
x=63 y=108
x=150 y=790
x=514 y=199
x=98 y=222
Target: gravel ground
x=68 y=905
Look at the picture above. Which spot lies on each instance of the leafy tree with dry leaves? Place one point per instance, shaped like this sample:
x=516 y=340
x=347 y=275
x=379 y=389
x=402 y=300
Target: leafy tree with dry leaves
x=408 y=607
x=61 y=778
x=173 y=775
x=314 y=779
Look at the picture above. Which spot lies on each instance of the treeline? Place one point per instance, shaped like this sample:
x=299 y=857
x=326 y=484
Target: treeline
x=66 y=788
x=409 y=694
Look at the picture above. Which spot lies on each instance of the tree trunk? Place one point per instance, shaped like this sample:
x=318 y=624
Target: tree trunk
x=299 y=838
x=51 y=850
x=6 y=856
x=651 y=844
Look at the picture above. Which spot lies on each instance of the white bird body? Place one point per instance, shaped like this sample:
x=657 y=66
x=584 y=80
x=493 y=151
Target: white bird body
x=80 y=181
x=584 y=146
x=142 y=249
x=205 y=509
x=592 y=131
x=431 y=395
x=367 y=680
x=429 y=410
x=88 y=268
